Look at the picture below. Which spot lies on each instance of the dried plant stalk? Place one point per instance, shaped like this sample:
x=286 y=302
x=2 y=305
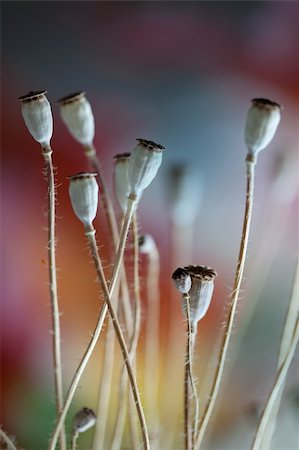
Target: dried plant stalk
x=120 y=337
x=97 y=332
x=276 y=390
x=268 y=428
x=47 y=153
x=190 y=425
x=106 y=381
x=250 y=165
x=74 y=440
x=187 y=409
x=137 y=325
x=105 y=388
x=6 y=440
x=152 y=344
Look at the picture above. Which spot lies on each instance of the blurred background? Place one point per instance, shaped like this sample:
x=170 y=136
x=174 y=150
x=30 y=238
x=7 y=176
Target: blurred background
x=181 y=74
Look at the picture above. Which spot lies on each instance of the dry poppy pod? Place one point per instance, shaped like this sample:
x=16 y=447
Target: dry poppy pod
x=37 y=114
x=262 y=121
x=121 y=180
x=146 y=244
x=83 y=192
x=77 y=115
x=83 y=420
x=144 y=163
x=201 y=291
x=182 y=280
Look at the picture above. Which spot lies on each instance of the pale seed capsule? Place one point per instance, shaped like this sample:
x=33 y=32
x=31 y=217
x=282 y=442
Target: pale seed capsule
x=77 y=115
x=201 y=291
x=146 y=244
x=37 y=114
x=262 y=121
x=182 y=280
x=83 y=192
x=121 y=180
x=144 y=163
x=83 y=420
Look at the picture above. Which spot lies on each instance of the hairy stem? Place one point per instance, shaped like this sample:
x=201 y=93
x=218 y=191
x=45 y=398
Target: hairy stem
x=120 y=337
x=105 y=388
x=187 y=410
x=233 y=306
x=47 y=153
x=97 y=332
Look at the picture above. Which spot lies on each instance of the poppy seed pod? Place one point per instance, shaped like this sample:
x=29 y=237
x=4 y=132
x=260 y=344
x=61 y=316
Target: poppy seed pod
x=262 y=121
x=144 y=163
x=121 y=180
x=182 y=280
x=83 y=192
x=83 y=420
x=77 y=115
x=201 y=291
x=37 y=114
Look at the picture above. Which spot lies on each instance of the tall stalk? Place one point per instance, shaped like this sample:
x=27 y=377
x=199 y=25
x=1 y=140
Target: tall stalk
x=276 y=390
x=152 y=343
x=101 y=277
x=250 y=165
x=47 y=154
x=116 y=269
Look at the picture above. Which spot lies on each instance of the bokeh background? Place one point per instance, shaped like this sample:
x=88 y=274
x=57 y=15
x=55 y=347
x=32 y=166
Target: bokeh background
x=181 y=74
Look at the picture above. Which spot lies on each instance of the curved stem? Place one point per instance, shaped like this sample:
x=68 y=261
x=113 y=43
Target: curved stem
x=105 y=388
x=233 y=306
x=47 y=153
x=77 y=376
x=119 y=334
x=276 y=389
x=286 y=341
x=75 y=381
x=137 y=324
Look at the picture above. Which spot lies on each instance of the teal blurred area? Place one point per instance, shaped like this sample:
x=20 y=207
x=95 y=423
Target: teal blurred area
x=181 y=73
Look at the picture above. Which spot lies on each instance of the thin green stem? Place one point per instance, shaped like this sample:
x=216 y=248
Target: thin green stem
x=233 y=306
x=47 y=153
